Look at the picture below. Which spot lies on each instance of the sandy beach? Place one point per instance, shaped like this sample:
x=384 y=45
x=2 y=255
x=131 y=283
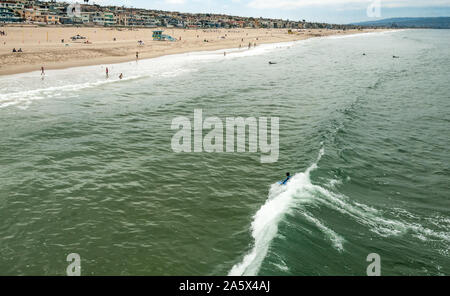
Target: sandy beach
x=52 y=47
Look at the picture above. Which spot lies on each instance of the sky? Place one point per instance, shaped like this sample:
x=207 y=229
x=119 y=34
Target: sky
x=330 y=11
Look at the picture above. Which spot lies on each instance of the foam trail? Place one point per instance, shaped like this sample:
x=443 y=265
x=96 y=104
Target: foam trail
x=265 y=222
x=301 y=191
x=372 y=218
x=336 y=239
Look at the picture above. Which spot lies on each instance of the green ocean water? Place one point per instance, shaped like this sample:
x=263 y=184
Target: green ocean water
x=87 y=167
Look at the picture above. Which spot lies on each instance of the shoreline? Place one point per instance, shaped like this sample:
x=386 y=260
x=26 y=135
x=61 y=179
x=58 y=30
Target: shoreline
x=53 y=55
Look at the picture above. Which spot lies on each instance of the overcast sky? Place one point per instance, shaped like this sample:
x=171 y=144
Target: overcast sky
x=334 y=11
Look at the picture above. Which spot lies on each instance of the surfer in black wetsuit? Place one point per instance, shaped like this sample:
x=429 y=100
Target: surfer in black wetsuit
x=288 y=177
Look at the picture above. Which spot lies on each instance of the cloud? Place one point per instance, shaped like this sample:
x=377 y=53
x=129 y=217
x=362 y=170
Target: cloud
x=415 y=3
x=293 y=4
x=175 y=1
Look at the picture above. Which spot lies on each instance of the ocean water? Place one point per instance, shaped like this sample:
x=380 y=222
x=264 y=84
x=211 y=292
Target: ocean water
x=86 y=164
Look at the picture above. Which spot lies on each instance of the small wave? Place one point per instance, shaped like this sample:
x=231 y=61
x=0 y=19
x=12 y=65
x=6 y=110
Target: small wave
x=265 y=222
x=374 y=219
x=22 y=89
x=336 y=239
x=23 y=99
x=282 y=266
x=364 y=34
x=300 y=192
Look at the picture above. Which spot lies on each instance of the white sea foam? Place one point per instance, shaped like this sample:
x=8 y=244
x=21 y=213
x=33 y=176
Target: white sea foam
x=265 y=222
x=281 y=266
x=336 y=240
x=375 y=219
x=22 y=89
x=364 y=34
x=300 y=192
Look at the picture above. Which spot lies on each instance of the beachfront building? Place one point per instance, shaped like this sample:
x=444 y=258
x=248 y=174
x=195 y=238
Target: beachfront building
x=93 y=18
x=51 y=19
x=109 y=19
x=122 y=19
x=135 y=19
x=98 y=19
x=53 y=12
x=14 y=5
x=29 y=14
x=149 y=21
x=175 y=23
x=86 y=17
x=7 y=15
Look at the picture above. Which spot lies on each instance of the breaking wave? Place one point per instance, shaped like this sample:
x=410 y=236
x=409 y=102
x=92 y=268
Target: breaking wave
x=265 y=222
x=300 y=192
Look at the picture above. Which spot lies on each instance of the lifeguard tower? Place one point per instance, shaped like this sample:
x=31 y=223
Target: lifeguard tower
x=159 y=36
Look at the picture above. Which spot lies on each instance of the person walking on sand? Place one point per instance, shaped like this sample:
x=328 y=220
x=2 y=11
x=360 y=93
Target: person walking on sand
x=137 y=56
x=42 y=71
